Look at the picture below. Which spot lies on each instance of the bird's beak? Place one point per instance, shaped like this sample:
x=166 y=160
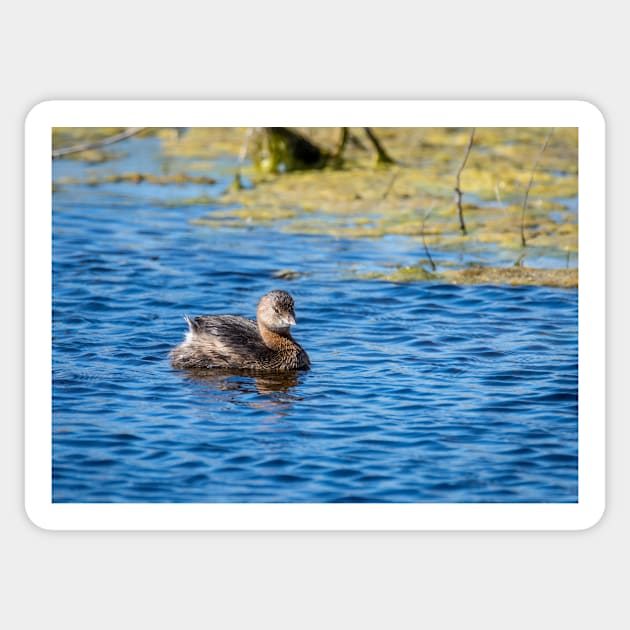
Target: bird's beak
x=291 y=318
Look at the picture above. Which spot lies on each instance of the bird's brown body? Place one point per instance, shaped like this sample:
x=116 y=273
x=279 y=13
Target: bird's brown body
x=239 y=343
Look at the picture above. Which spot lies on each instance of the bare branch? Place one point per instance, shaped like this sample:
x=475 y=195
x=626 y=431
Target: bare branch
x=458 y=191
x=97 y=144
x=382 y=156
x=529 y=185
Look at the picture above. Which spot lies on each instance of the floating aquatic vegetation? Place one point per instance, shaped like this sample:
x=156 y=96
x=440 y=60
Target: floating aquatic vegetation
x=139 y=178
x=356 y=200
x=513 y=275
x=288 y=274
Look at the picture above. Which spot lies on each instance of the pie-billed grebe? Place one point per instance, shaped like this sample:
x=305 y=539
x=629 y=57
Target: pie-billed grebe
x=235 y=342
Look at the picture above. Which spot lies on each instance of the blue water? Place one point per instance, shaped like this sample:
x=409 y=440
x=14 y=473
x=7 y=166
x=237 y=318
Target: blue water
x=418 y=392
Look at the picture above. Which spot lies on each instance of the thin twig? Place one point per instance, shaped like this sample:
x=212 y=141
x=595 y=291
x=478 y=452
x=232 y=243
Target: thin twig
x=498 y=195
x=424 y=242
x=341 y=143
x=529 y=185
x=245 y=146
x=519 y=261
x=390 y=185
x=458 y=191
x=237 y=182
x=97 y=144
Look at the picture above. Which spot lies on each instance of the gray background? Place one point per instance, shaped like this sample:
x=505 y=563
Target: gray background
x=434 y=580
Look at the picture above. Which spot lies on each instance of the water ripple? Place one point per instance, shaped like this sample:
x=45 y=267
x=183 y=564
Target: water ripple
x=418 y=393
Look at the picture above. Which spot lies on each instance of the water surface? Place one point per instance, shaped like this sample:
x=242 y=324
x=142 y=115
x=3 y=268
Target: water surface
x=418 y=392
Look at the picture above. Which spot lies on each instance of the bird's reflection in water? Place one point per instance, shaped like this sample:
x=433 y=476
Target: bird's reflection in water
x=273 y=388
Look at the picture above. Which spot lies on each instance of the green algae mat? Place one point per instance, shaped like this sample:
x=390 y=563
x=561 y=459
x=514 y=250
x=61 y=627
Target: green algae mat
x=519 y=191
